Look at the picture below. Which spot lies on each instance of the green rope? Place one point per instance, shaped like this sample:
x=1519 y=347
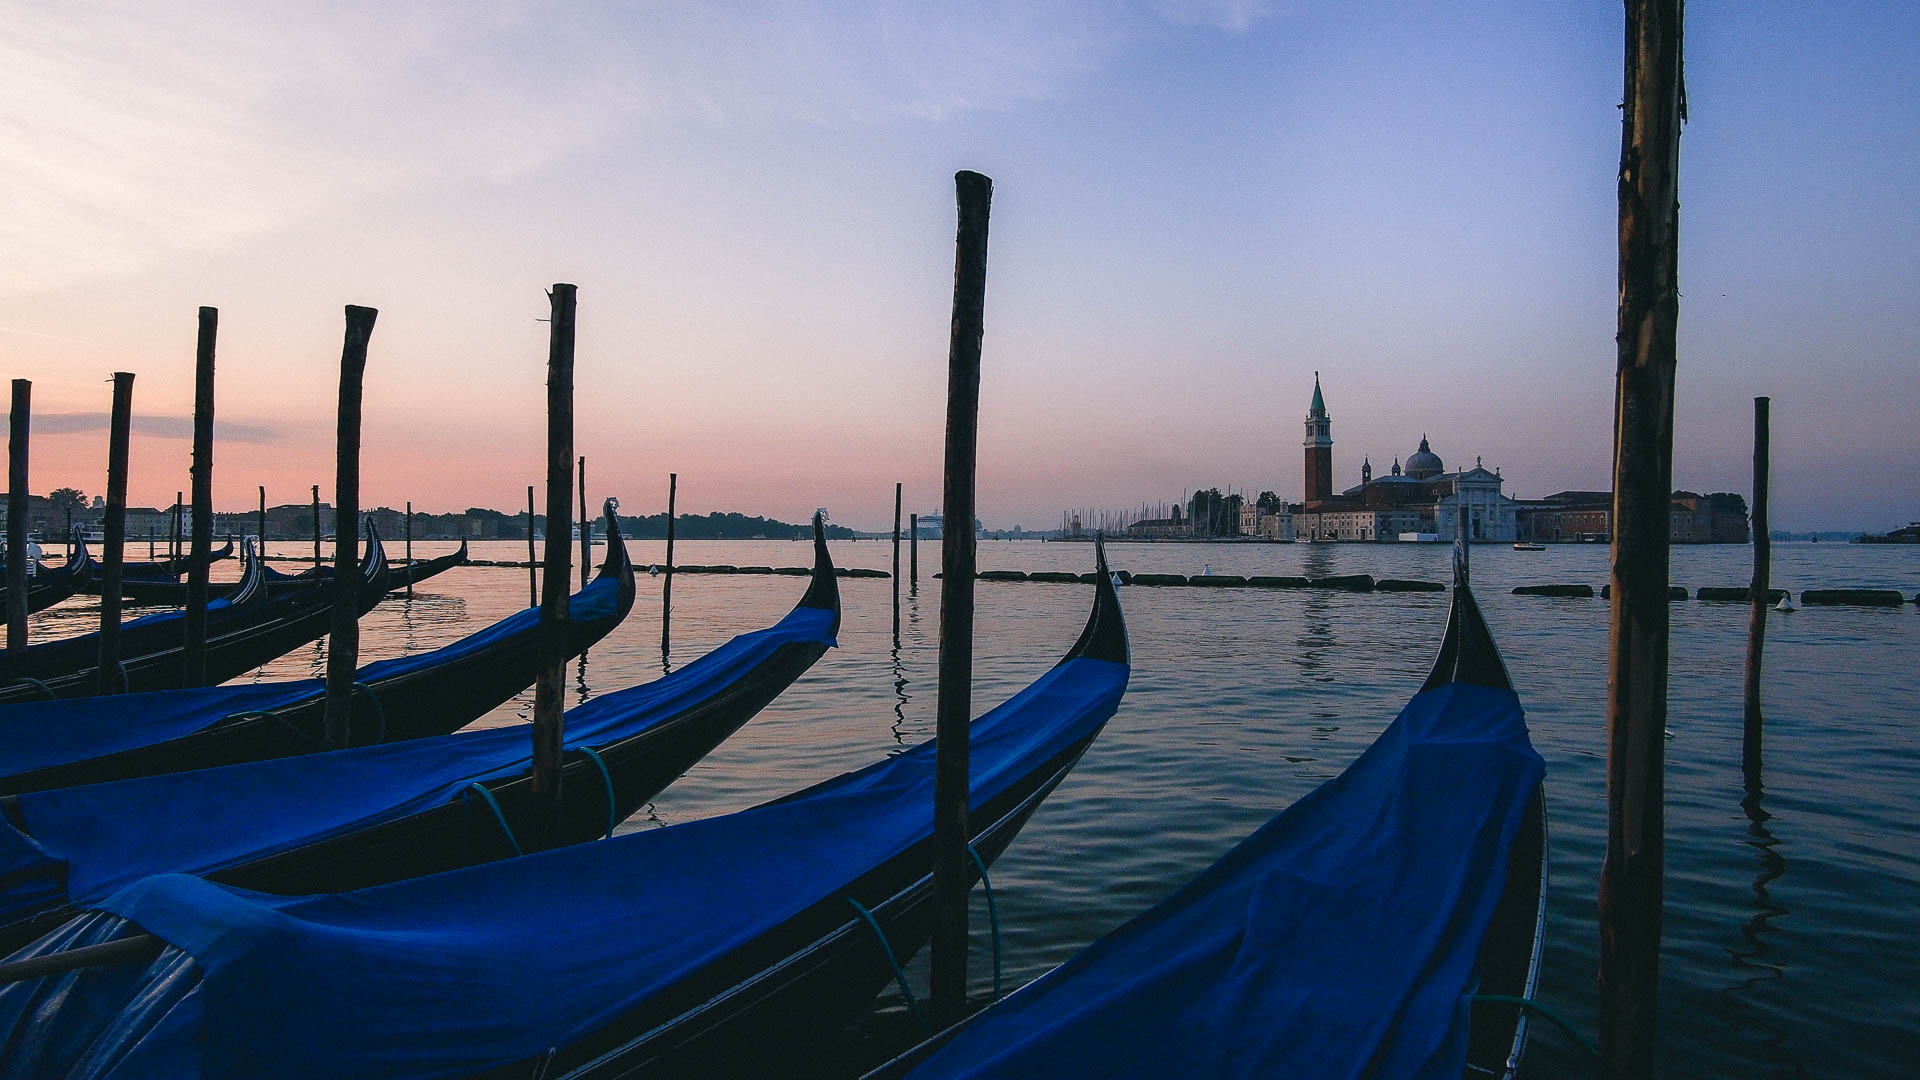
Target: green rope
x=498 y=815
x=606 y=778
x=38 y=685
x=1533 y=1006
x=379 y=713
x=899 y=976
x=993 y=918
x=253 y=714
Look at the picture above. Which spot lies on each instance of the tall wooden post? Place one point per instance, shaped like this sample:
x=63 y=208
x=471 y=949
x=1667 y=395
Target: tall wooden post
x=262 y=521
x=666 y=588
x=586 y=526
x=955 y=707
x=316 y=524
x=343 y=644
x=896 y=563
x=533 y=557
x=409 y=533
x=194 y=654
x=174 y=546
x=1631 y=888
x=108 y=677
x=19 y=428
x=1762 y=586
x=913 y=551
x=549 y=688
x=70 y=547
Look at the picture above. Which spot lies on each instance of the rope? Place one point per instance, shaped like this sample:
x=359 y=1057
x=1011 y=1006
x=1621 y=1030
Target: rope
x=379 y=713
x=304 y=736
x=899 y=976
x=993 y=917
x=606 y=778
x=1533 y=1006
x=38 y=685
x=497 y=814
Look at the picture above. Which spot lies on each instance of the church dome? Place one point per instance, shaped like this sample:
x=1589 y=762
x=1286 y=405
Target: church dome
x=1423 y=462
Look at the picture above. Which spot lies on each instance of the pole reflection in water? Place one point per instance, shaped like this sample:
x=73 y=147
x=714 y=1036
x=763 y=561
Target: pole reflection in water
x=1752 y=960
x=581 y=691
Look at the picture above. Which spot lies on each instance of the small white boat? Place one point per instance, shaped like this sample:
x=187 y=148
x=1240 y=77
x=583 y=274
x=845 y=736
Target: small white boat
x=1529 y=547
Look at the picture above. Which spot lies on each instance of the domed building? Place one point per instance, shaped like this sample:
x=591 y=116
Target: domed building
x=1421 y=501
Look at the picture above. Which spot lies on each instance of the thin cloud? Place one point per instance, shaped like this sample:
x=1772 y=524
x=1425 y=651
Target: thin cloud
x=172 y=427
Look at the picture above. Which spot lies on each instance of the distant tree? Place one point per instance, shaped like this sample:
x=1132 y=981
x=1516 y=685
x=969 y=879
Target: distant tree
x=1230 y=515
x=67 y=498
x=1204 y=508
x=1267 y=503
x=1728 y=502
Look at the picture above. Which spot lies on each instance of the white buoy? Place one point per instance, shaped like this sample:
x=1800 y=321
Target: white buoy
x=1116 y=579
x=1785 y=604
x=1206 y=569
x=652 y=570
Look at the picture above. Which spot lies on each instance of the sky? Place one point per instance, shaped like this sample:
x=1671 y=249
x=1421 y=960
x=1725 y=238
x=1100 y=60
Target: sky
x=1198 y=204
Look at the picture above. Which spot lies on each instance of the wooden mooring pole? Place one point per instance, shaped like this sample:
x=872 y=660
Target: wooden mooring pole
x=533 y=557
x=1762 y=587
x=1631 y=877
x=896 y=563
x=913 y=551
x=194 y=655
x=261 y=521
x=586 y=526
x=951 y=864
x=316 y=524
x=174 y=546
x=549 y=689
x=19 y=428
x=409 y=532
x=343 y=643
x=108 y=677
x=666 y=587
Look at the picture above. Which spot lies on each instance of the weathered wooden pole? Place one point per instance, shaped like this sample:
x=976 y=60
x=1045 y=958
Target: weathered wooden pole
x=343 y=644
x=316 y=524
x=409 y=533
x=533 y=557
x=107 y=676
x=896 y=563
x=179 y=509
x=19 y=428
x=954 y=711
x=586 y=526
x=666 y=588
x=194 y=654
x=1631 y=876
x=262 y=521
x=913 y=551
x=70 y=548
x=1762 y=586
x=549 y=689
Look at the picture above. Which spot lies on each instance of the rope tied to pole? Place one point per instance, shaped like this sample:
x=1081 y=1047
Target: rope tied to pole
x=498 y=815
x=1530 y=1005
x=993 y=917
x=899 y=976
x=606 y=778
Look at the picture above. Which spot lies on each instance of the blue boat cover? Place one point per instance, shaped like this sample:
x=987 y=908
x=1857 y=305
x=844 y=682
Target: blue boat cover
x=1340 y=940
x=81 y=844
x=37 y=734
x=479 y=967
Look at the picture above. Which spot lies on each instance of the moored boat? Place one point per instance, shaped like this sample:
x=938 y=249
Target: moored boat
x=715 y=947
x=48 y=585
x=1383 y=925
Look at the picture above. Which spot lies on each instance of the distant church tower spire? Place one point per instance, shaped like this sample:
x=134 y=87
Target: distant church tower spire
x=1319 y=446
x=1366 y=470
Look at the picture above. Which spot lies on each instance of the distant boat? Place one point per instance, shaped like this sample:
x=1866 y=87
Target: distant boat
x=1529 y=547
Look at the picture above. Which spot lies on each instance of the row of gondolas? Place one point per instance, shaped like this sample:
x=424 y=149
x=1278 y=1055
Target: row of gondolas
x=191 y=886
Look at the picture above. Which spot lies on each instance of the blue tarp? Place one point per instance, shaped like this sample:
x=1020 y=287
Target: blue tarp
x=37 y=734
x=1340 y=940
x=86 y=842
x=478 y=967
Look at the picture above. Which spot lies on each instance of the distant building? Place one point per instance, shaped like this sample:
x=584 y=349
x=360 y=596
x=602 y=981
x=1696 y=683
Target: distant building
x=1421 y=499
x=1575 y=516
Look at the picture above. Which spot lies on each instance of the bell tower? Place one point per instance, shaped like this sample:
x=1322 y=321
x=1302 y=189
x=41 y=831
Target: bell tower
x=1319 y=444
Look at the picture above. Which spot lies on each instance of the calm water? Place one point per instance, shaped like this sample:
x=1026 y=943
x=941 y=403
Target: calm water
x=1792 y=920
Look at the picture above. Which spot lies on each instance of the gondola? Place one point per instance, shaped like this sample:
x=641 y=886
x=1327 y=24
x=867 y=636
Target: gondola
x=1381 y=926
x=47 y=586
x=158 y=582
x=245 y=629
x=715 y=947
x=53 y=744
x=361 y=817
x=414 y=573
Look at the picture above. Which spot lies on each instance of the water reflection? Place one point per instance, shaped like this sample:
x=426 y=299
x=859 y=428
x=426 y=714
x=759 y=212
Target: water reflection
x=900 y=695
x=1752 y=959
x=581 y=691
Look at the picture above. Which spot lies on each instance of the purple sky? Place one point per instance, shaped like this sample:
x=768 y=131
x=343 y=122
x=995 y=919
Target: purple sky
x=1197 y=206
